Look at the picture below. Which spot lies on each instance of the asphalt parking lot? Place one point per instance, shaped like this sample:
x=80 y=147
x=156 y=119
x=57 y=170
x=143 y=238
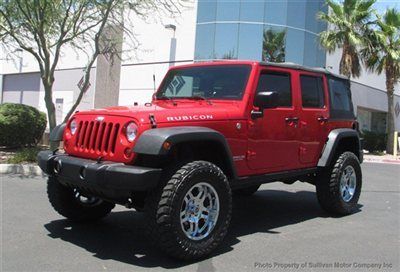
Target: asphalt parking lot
x=280 y=228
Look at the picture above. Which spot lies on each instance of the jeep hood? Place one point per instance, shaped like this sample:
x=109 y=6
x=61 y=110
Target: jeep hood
x=166 y=112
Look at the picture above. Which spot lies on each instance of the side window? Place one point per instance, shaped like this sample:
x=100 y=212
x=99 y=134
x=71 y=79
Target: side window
x=340 y=95
x=312 y=92
x=340 y=98
x=277 y=82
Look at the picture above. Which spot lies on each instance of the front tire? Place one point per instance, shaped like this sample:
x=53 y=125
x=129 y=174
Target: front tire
x=339 y=187
x=75 y=205
x=188 y=217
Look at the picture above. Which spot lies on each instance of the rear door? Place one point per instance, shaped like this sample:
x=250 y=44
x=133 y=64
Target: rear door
x=313 y=116
x=273 y=144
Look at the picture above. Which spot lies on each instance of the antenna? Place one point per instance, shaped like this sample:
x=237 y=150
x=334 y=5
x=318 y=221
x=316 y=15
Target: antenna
x=154 y=82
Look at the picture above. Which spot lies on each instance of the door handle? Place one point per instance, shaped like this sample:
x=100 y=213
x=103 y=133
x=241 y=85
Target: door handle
x=291 y=119
x=322 y=119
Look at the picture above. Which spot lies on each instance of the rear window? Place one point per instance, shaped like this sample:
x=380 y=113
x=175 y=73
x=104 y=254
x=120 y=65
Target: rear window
x=340 y=98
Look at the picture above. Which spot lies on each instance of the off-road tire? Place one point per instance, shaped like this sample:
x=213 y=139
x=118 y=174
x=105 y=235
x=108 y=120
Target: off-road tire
x=248 y=191
x=63 y=201
x=163 y=205
x=328 y=185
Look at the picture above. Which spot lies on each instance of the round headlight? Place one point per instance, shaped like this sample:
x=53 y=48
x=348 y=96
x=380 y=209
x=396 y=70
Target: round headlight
x=73 y=126
x=131 y=131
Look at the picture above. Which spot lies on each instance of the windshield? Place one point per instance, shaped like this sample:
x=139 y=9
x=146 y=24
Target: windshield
x=208 y=82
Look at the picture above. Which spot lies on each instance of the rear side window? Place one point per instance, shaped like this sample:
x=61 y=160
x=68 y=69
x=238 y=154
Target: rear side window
x=312 y=92
x=277 y=82
x=340 y=98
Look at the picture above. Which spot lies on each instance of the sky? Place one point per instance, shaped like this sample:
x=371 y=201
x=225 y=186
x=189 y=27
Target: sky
x=381 y=5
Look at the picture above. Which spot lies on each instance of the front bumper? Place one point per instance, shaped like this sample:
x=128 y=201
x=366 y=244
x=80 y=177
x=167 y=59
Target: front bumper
x=104 y=178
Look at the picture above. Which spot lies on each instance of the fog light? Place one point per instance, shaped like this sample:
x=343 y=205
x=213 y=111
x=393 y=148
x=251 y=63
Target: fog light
x=57 y=167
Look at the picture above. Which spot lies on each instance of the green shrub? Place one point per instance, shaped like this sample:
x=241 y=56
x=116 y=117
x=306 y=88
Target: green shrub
x=374 y=141
x=21 y=125
x=25 y=155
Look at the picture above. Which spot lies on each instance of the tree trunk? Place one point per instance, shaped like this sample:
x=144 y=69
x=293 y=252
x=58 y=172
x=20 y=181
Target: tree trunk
x=390 y=114
x=345 y=66
x=51 y=110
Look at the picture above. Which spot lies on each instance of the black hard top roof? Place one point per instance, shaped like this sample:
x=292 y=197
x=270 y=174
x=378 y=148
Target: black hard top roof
x=295 y=66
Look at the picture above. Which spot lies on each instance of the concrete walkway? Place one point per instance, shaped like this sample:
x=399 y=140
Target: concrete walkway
x=382 y=159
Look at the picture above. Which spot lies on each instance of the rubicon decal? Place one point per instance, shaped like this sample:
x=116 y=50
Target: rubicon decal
x=189 y=117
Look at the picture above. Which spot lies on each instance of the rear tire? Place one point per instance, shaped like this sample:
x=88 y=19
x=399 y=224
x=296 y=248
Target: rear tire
x=74 y=205
x=171 y=218
x=339 y=186
x=248 y=191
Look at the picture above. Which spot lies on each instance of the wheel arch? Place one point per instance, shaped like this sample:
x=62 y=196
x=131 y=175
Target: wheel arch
x=193 y=142
x=339 y=141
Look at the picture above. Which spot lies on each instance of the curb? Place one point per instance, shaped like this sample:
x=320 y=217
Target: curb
x=381 y=160
x=27 y=170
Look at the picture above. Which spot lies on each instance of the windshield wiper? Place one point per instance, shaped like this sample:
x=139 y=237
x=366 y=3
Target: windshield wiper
x=199 y=97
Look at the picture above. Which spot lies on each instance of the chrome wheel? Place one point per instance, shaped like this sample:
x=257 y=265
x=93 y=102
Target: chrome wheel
x=86 y=200
x=348 y=183
x=199 y=211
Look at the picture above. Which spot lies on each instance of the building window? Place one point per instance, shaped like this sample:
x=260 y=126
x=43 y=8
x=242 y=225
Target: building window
x=226 y=41
x=276 y=12
x=206 y=11
x=312 y=92
x=205 y=41
x=277 y=82
x=250 y=41
x=274 y=45
x=228 y=10
x=252 y=11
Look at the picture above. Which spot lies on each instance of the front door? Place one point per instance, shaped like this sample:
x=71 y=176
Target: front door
x=273 y=144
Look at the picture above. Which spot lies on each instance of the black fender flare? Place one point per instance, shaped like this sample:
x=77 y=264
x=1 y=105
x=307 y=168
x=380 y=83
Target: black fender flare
x=56 y=135
x=333 y=140
x=151 y=141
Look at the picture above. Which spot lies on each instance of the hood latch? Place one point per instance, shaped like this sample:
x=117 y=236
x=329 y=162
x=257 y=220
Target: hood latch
x=152 y=121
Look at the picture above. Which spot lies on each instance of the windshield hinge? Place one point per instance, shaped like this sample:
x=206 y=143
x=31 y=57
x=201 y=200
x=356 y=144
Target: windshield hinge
x=152 y=121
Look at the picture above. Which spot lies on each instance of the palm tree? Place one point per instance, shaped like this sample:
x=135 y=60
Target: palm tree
x=347 y=24
x=274 y=46
x=382 y=54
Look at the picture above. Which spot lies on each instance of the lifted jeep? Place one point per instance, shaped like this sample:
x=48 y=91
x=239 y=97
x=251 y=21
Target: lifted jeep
x=212 y=129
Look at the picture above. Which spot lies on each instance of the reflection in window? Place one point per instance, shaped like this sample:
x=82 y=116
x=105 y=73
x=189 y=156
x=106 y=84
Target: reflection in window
x=226 y=38
x=277 y=82
x=211 y=82
x=274 y=45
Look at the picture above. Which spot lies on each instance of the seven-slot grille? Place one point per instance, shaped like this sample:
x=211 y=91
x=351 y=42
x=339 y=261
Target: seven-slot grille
x=96 y=136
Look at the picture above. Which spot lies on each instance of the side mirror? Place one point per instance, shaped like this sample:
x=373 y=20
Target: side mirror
x=266 y=100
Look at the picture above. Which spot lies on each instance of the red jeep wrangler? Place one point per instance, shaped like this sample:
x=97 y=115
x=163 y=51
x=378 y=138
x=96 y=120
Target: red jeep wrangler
x=212 y=129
